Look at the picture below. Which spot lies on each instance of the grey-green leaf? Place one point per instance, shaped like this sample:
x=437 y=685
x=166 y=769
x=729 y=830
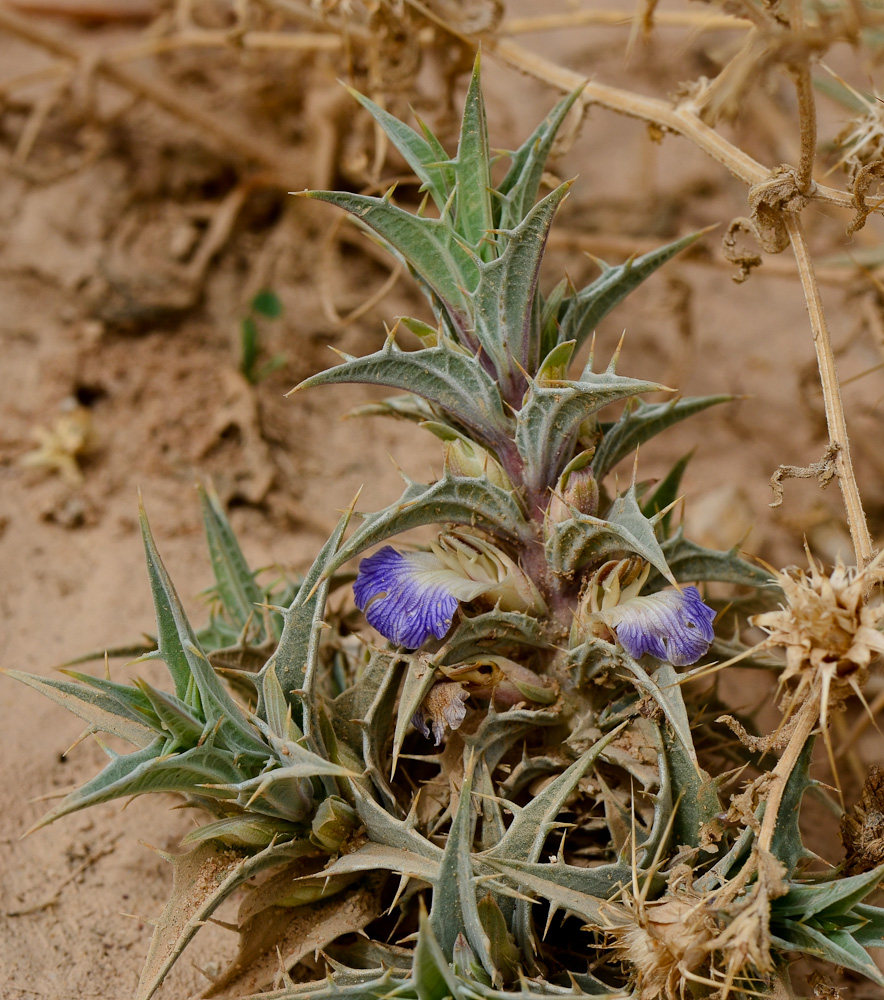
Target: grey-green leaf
x=582 y=538
x=429 y=246
x=690 y=562
x=473 y=218
x=443 y=375
x=518 y=190
x=104 y=712
x=237 y=590
x=507 y=326
x=583 y=311
x=454 y=499
x=148 y=770
x=639 y=422
x=436 y=176
x=552 y=414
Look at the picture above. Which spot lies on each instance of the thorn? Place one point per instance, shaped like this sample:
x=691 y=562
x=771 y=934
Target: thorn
x=615 y=357
x=165 y=855
x=150 y=921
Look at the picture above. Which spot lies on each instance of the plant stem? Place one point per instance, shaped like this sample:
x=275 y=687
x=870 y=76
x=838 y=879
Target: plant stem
x=808 y=716
x=681 y=119
x=806 y=103
x=835 y=420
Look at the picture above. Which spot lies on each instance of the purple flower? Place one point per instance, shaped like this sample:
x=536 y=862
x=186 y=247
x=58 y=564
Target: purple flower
x=672 y=625
x=410 y=596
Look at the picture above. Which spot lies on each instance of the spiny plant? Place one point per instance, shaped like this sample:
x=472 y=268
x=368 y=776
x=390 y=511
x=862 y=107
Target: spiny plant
x=575 y=834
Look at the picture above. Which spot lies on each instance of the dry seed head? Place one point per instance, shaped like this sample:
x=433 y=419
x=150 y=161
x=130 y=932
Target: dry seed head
x=828 y=629
x=667 y=943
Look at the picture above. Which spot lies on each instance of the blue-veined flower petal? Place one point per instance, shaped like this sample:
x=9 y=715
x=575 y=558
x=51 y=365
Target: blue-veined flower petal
x=409 y=596
x=672 y=625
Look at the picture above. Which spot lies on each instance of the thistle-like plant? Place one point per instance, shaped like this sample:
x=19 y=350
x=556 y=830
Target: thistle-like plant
x=573 y=836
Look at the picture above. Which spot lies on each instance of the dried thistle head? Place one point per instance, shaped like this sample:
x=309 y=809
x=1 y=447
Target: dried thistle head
x=828 y=628
x=667 y=942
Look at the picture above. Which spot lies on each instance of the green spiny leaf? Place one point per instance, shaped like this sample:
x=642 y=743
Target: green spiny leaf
x=453 y=499
x=275 y=708
x=443 y=375
x=174 y=716
x=387 y=830
x=665 y=690
x=236 y=585
x=503 y=954
x=379 y=857
x=641 y=421
x=148 y=770
x=421 y=155
x=104 y=712
x=666 y=493
x=376 y=724
x=582 y=312
x=552 y=415
x=834 y=897
x=419 y=678
x=294 y=661
x=506 y=321
x=472 y=169
x=407 y=407
x=429 y=246
x=690 y=562
x=455 y=907
x=168 y=611
x=529 y=829
x=601 y=882
x=837 y=947
x=493 y=632
x=243 y=831
x=871 y=933
x=583 y=539
x=696 y=802
x=433 y=976
x=558 y=896
x=786 y=843
x=518 y=190
x=178 y=646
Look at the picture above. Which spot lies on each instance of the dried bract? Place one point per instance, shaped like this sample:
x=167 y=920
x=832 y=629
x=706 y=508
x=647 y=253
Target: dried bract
x=828 y=628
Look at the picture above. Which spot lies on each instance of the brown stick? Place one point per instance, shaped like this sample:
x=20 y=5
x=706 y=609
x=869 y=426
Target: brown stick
x=835 y=420
x=808 y=716
x=806 y=103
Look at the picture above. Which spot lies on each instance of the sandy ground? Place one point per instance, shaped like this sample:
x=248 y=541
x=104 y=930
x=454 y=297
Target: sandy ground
x=99 y=308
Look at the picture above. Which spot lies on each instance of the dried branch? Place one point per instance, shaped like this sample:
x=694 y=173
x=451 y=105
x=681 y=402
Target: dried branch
x=835 y=420
x=806 y=102
x=665 y=19
x=824 y=470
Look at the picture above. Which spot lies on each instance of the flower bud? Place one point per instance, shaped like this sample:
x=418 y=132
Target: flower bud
x=464 y=458
x=333 y=823
x=576 y=489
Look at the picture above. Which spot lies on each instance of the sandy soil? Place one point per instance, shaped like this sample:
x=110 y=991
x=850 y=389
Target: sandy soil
x=104 y=308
